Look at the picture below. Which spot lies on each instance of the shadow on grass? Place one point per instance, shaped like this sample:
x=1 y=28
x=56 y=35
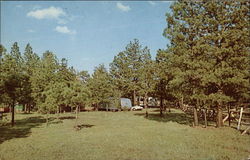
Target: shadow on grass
x=55 y=122
x=80 y=126
x=26 y=113
x=85 y=125
x=156 y=110
x=180 y=118
x=67 y=117
x=22 y=128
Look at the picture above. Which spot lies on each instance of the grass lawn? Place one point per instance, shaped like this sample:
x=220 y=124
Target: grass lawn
x=119 y=136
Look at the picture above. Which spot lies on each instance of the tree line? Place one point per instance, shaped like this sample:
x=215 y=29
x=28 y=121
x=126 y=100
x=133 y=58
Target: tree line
x=206 y=65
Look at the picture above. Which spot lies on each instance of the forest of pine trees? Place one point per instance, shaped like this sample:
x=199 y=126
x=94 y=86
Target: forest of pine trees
x=206 y=65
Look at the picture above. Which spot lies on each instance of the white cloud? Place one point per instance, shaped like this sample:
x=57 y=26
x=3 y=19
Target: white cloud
x=47 y=13
x=65 y=30
x=122 y=7
x=31 y=30
x=151 y=2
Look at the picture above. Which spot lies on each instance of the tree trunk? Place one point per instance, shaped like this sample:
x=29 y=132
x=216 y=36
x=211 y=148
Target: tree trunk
x=47 y=119
x=134 y=98
x=205 y=117
x=146 y=104
x=13 y=114
x=58 y=111
x=229 y=116
x=96 y=107
x=213 y=114
x=138 y=101
x=196 y=122
x=164 y=106
x=219 y=116
x=161 y=107
x=182 y=106
x=29 y=108
x=25 y=108
x=76 y=112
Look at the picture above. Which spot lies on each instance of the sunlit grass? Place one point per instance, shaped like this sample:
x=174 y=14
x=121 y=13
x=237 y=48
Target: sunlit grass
x=119 y=136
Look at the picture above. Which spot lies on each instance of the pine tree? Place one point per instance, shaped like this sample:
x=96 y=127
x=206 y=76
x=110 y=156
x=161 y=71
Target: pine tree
x=99 y=86
x=209 y=40
x=146 y=77
x=45 y=73
x=164 y=75
x=2 y=53
x=125 y=69
x=31 y=60
x=12 y=78
x=78 y=95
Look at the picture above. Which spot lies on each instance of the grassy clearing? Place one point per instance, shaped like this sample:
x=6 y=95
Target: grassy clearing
x=119 y=136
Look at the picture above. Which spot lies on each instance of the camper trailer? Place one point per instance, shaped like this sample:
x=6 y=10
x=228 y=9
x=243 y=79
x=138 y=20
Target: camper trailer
x=116 y=104
x=152 y=102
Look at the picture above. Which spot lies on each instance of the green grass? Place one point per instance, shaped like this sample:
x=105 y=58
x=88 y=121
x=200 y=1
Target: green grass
x=119 y=136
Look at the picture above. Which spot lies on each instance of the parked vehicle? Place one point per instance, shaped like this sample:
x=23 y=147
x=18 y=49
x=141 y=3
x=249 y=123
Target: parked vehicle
x=116 y=104
x=134 y=108
x=152 y=102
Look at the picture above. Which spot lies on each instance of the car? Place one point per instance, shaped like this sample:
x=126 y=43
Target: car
x=134 y=108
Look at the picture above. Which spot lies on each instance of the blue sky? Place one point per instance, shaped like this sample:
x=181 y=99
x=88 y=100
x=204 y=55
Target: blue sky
x=86 y=33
